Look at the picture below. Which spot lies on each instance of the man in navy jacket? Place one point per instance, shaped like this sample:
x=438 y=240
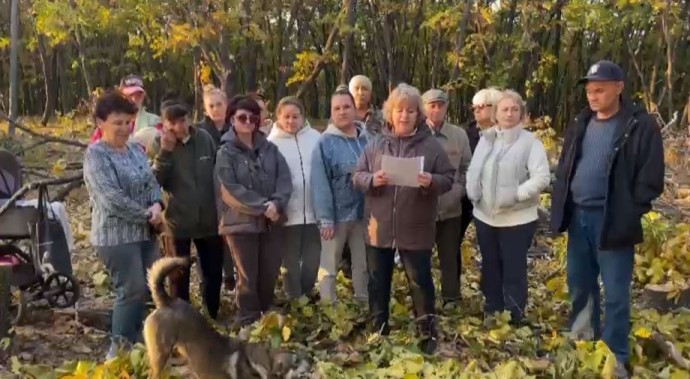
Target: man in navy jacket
x=610 y=171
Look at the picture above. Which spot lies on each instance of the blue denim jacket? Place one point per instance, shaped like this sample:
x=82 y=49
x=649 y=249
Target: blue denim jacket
x=334 y=197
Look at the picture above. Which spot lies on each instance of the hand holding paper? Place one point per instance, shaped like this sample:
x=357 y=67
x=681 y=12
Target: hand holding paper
x=403 y=171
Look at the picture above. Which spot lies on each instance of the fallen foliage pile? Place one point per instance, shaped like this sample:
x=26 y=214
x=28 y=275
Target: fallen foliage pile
x=339 y=343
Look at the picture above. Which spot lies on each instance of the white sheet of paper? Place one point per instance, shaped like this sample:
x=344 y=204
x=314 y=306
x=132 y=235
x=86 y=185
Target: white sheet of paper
x=402 y=171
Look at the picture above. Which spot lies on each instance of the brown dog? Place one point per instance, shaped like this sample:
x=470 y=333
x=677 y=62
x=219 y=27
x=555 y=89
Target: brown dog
x=175 y=324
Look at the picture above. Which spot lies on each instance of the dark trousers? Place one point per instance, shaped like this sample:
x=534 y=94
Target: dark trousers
x=257 y=257
x=210 y=253
x=585 y=262
x=228 y=268
x=504 y=267
x=466 y=217
x=417 y=265
x=301 y=259
x=448 y=240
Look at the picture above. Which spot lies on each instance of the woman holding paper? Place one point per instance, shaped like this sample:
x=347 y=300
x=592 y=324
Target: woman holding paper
x=403 y=217
x=508 y=171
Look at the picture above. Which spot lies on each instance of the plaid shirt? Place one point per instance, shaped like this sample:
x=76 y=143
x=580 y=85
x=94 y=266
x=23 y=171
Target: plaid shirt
x=121 y=187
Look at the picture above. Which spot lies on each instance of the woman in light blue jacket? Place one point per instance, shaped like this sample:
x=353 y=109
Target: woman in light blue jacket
x=338 y=206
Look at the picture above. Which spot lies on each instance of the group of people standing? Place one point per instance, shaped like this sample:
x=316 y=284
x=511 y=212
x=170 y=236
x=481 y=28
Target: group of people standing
x=286 y=195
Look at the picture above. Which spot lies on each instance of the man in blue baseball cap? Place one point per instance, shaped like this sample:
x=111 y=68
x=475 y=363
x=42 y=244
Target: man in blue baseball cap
x=610 y=171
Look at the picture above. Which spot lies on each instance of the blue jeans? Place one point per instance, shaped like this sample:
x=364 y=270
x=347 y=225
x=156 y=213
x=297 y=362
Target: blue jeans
x=127 y=265
x=585 y=262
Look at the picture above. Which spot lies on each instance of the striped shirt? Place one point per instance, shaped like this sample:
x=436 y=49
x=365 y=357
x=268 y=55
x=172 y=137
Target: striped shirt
x=121 y=187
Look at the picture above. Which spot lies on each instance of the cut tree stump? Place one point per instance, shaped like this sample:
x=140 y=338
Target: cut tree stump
x=656 y=296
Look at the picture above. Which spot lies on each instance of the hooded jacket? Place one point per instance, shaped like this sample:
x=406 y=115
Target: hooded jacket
x=186 y=177
x=635 y=176
x=297 y=150
x=248 y=178
x=396 y=216
x=333 y=161
x=210 y=127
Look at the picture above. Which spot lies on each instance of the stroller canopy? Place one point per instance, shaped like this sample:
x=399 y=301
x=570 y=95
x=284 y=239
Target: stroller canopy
x=10 y=174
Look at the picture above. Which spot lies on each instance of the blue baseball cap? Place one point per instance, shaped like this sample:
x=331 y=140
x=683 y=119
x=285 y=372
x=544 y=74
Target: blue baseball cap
x=603 y=71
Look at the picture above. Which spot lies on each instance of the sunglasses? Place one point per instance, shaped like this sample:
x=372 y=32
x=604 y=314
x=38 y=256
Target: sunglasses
x=244 y=118
x=480 y=106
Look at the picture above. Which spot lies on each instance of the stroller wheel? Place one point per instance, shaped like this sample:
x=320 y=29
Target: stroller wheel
x=60 y=290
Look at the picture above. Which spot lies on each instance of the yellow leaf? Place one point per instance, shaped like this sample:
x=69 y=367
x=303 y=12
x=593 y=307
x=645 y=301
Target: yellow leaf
x=286 y=333
x=643 y=332
x=59 y=167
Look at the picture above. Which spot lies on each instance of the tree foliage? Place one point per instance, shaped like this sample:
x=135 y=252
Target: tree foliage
x=282 y=47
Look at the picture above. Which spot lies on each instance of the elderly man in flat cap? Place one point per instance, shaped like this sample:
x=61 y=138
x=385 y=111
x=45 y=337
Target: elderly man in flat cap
x=455 y=143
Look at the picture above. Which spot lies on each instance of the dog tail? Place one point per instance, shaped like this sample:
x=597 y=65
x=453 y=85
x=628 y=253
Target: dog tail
x=156 y=277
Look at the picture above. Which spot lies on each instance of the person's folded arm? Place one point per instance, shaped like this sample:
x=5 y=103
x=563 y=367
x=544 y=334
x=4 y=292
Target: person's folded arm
x=363 y=178
x=234 y=194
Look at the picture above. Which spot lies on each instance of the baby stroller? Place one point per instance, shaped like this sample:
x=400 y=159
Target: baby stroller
x=31 y=244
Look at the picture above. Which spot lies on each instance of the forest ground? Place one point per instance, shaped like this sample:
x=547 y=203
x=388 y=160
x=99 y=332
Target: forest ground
x=51 y=342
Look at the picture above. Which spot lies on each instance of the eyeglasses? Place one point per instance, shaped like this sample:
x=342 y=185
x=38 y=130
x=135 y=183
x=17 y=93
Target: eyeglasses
x=243 y=118
x=480 y=106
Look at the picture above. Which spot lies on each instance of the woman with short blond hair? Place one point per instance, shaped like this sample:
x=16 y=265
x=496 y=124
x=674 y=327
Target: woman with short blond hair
x=402 y=217
x=508 y=172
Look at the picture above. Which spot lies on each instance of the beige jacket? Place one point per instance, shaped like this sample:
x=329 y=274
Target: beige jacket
x=455 y=143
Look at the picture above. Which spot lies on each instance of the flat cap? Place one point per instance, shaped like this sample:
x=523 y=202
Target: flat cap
x=434 y=95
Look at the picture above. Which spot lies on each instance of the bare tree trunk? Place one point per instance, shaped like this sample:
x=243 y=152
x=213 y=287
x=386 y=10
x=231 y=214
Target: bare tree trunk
x=345 y=68
x=48 y=80
x=14 y=62
x=462 y=34
x=668 y=39
x=249 y=52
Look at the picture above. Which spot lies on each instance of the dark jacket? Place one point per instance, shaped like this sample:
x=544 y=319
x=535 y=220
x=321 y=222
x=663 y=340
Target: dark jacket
x=473 y=135
x=246 y=180
x=396 y=216
x=208 y=125
x=186 y=177
x=635 y=176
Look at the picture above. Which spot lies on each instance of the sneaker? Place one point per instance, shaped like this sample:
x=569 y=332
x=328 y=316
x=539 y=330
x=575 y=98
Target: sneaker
x=428 y=346
x=116 y=348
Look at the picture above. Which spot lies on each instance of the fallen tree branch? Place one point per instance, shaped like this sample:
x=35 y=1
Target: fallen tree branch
x=671 y=351
x=63 y=141
x=67 y=189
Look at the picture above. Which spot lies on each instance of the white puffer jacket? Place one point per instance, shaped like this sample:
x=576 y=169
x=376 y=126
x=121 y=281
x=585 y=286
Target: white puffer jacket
x=508 y=172
x=297 y=150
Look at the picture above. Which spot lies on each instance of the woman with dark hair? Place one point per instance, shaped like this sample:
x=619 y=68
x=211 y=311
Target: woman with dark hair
x=253 y=186
x=126 y=203
x=339 y=206
x=183 y=161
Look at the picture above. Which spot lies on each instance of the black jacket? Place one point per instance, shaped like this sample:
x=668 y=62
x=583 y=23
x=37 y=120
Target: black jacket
x=472 y=130
x=635 y=176
x=210 y=127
